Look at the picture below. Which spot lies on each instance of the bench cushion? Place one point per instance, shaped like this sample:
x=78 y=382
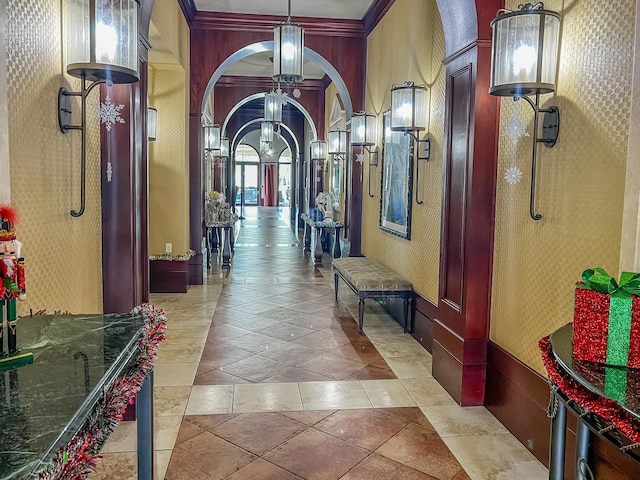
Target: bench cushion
x=368 y=274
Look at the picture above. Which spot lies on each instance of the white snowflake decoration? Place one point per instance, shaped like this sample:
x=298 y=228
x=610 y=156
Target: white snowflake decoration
x=514 y=128
x=110 y=113
x=297 y=93
x=513 y=175
x=360 y=157
x=282 y=96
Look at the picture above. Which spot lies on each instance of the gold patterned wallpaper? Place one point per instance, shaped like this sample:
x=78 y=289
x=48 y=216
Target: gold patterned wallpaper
x=416 y=28
x=580 y=181
x=168 y=167
x=63 y=254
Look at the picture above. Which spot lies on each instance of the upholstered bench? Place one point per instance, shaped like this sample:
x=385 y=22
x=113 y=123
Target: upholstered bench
x=370 y=279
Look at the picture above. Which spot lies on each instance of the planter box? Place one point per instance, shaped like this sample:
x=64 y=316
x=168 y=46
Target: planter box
x=168 y=276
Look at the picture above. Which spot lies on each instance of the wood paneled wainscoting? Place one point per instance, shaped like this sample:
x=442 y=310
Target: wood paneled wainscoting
x=516 y=395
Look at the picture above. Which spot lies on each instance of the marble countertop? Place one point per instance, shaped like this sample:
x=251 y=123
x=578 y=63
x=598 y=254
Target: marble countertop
x=619 y=384
x=44 y=404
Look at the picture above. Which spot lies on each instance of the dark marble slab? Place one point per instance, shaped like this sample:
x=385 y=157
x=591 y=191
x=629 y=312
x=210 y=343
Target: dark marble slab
x=618 y=383
x=44 y=404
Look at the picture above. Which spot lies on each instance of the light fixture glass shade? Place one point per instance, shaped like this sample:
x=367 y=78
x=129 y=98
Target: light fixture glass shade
x=152 y=123
x=337 y=142
x=363 y=129
x=224 y=147
x=101 y=39
x=272 y=108
x=266 y=132
x=288 y=52
x=318 y=150
x=212 y=137
x=408 y=107
x=524 y=52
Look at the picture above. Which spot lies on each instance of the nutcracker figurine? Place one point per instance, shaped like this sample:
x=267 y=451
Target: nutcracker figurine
x=12 y=284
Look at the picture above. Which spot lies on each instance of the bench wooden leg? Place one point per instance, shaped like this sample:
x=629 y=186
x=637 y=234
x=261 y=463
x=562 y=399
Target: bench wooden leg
x=360 y=314
x=335 y=283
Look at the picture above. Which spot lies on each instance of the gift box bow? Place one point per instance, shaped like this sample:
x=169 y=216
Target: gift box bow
x=599 y=280
x=620 y=309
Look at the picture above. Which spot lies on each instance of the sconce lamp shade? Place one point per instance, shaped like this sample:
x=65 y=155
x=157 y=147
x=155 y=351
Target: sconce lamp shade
x=266 y=132
x=152 y=123
x=337 y=142
x=211 y=137
x=101 y=39
x=224 y=147
x=272 y=108
x=408 y=107
x=363 y=129
x=524 y=51
x=288 y=52
x=318 y=150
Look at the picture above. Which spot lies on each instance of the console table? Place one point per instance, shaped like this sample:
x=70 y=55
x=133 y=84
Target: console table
x=221 y=233
x=606 y=401
x=57 y=412
x=320 y=227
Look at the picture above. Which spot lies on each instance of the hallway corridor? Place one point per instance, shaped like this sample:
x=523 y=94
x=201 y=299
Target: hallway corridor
x=264 y=376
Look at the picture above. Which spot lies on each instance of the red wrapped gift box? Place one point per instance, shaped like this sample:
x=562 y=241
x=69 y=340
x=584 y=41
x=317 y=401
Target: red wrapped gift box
x=591 y=329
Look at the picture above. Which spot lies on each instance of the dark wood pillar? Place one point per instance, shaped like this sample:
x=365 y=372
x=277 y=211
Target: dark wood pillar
x=461 y=330
x=124 y=172
x=196 y=201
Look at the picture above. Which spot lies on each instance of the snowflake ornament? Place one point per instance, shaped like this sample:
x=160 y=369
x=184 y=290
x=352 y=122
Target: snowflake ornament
x=514 y=128
x=513 y=175
x=110 y=113
x=282 y=96
x=360 y=157
x=296 y=93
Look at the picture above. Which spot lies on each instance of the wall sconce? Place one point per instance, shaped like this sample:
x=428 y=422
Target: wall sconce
x=224 y=148
x=363 y=134
x=288 y=51
x=152 y=123
x=524 y=54
x=101 y=46
x=409 y=115
x=319 y=150
x=337 y=142
x=272 y=107
x=211 y=138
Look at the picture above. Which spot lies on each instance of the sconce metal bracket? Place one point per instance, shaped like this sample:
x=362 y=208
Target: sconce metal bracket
x=422 y=146
x=373 y=162
x=64 y=122
x=550 y=130
x=550 y=126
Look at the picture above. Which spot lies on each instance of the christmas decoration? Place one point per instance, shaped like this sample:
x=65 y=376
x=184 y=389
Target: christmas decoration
x=80 y=456
x=606 y=321
x=110 y=113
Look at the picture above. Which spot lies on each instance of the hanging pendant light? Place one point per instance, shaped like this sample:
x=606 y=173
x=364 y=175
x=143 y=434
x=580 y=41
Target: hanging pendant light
x=266 y=132
x=272 y=107
x=288 y=51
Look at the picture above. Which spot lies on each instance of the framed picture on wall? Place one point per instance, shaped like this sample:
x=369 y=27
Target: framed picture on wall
x=397 y=166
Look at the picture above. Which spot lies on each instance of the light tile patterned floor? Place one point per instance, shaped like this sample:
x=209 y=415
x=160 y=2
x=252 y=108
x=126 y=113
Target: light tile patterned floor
x=264 y=376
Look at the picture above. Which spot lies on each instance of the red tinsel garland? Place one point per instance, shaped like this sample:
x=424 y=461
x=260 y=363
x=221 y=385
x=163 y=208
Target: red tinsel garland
x=606 y=408
x=80 y=456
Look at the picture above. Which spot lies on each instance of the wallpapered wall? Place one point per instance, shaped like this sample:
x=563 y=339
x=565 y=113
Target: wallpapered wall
x=168 y=169
x=168 y=155
x=581 y=180
x=415 y=28
x=63 y=254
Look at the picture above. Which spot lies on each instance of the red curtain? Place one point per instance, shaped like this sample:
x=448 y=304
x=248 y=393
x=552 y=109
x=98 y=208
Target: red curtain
x=271 y=185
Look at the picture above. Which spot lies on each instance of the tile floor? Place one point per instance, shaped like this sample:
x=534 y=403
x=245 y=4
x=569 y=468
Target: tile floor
x=264 y=376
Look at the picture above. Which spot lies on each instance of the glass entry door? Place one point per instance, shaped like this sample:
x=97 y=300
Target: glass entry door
x=247 y=182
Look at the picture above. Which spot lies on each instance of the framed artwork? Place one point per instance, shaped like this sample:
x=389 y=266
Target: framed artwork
x=397 y=168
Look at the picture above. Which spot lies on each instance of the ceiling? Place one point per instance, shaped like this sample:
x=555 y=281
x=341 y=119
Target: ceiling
x=349 y=9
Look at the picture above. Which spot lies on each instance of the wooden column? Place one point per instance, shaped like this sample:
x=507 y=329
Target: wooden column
x=461 y=329
x=124 y=173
